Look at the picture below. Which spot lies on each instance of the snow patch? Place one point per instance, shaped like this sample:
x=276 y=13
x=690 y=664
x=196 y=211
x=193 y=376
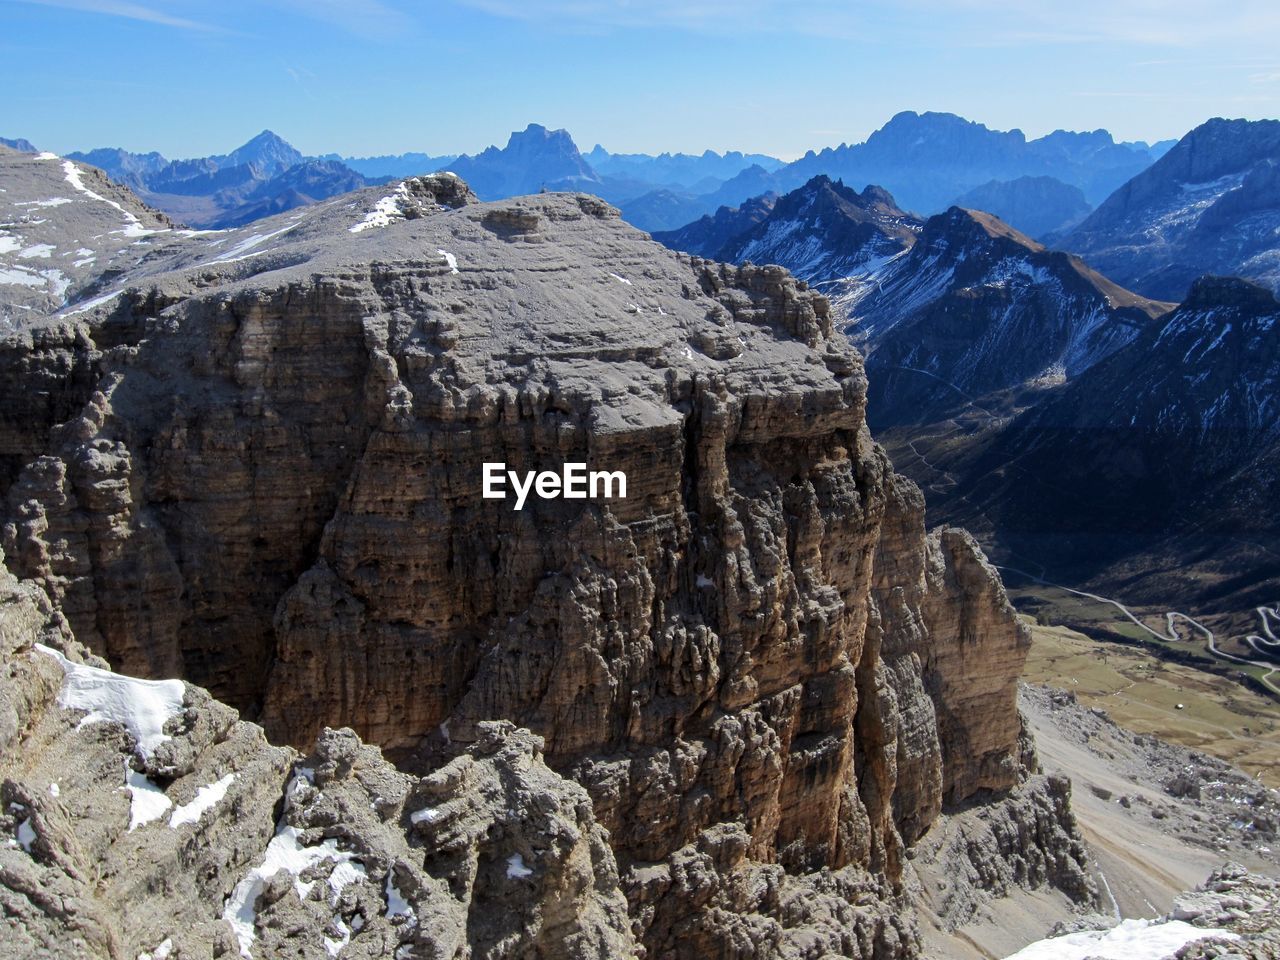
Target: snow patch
x=161 y=952
x=450 y=259
x=142 y=707
x=206 y=798
x=1131 y=940
x=621 y=279
x=247 y=247
x=284 y=852
x=54 y=790
x=385 y=211
x=18 y=277
x=397 y=905
x=95 y=302
x=41 y=250
x=516 y=867
x=334 y=947
x=26 y=834
x=133 y=226
x=428 y=814
x=147 y=801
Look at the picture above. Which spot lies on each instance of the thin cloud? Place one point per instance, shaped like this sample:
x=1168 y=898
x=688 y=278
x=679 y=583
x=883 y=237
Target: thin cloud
x=971 y=23
x=129 y=11
x=372 y=19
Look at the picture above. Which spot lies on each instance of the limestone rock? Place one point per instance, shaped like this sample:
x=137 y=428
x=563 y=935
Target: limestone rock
x=763 y=676
x=108 y=855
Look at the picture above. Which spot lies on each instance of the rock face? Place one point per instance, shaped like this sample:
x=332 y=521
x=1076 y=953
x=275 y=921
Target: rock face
x=214 y=843
x=763 y=675
x=1210 y=205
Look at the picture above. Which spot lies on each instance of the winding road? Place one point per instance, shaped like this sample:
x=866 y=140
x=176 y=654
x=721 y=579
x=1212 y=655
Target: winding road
x=1268 y=646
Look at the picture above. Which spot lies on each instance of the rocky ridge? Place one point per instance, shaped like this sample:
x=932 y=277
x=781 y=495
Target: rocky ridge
x=821 y=232
x=66 y=230
x=766 y=681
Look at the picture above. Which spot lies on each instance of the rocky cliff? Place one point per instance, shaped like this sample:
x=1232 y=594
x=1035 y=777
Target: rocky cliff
x=750 y=684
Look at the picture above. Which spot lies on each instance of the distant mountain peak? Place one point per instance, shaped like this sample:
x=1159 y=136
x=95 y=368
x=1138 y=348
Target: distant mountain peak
x=536 y=132
x=269 y=150
x=21 y=144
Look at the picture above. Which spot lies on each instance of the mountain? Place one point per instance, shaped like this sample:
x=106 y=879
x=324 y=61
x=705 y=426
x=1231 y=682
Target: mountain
x=678 y=170
x=1174 y=441
x=398 y=165
x=130 y=170
x=21 y=145
x=303 y=184
x=263 y=176
x=925 y=160
x=707 y=236
x=822 y=232
x=533 y=159
x=268 y=153
x=1209 y=205
x=1036 y=206
x=976 y=307
x=658 y=209
x=754 y=181
x=65 y=230
x=751 y=700
x=928 y=160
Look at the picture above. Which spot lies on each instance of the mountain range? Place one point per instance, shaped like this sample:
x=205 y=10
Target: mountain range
x=928 y=161
x=263 y=176
x=958 y=312
x=279 y=677
x=998 y=364
x=1209 y=205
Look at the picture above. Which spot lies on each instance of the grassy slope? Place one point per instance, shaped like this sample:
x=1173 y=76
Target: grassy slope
x=1141 y=692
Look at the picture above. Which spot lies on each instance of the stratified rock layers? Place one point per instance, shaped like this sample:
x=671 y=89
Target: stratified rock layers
x=756 y=664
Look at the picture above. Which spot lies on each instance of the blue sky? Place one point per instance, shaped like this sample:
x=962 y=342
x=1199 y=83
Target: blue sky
x=193 y=77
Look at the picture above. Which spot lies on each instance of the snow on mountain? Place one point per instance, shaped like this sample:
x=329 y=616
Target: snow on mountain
x=1174 y=440
x=1210 y=205
x=63 y=227
x=822 y=232
x=975 y=307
